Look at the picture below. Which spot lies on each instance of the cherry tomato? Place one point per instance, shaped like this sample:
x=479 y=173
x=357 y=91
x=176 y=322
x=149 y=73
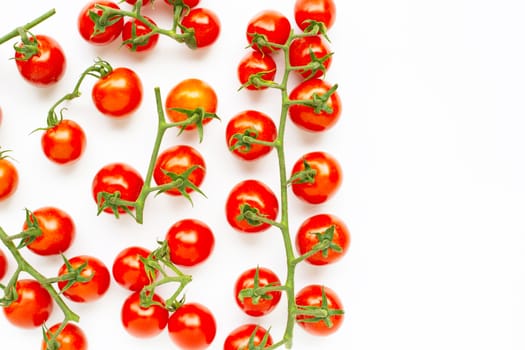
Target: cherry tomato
x=144 y=322
x=318 y=228
x=128 y=269
x=70 y=338
x=86 y=26
x=177 y=160
x=190 y=241
x=239 y=338
x=267 y=301
x=132 y=2
x=305 y=116
x=192 y=327
x=139 y=28
x=257 y=125
x=47 y=66
x=58 y=231
x=64 y=143
x=118 y=94
x=3 y=264
x=312 y=295
x=190 y=94
x=253 y=63
x=259 y=197
x=189 y=3
x=32 y=307
x=91 y=290
x=323 y=11
x=327 y=178
x=205 y=26
x=273 y=25
x=118 y=177
x=8 y=178
x=301 y=50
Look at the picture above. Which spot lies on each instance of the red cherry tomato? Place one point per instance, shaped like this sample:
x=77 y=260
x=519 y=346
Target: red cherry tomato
x=144 y=322
x=32 y=307
x=258 y=196
x=205 y=25
x=86 y=26
x=3 y=264
x=273 y=25
x=128 y=269
x=118 y=177
x=318 y=228
x=190 y=242
x=132 y=2
x=70 y=338
x=266 y=302
x=301 y=50
x=306 y=117
x=47 y=66
x=91 y=290
x=259 y=126
x=192 y=327
x=190 y=3
x=118 y=94
x=64 y=143
x=58 y=231
x=177 y=160
x=253 y=63
x=327 y=178
x=190 y=94
x=139 y=28
x=323 y=11
x=312 y=295
x=239 y=338
x=8 y=178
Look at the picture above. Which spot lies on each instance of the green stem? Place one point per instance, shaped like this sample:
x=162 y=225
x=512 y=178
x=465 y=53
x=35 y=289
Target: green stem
x=15 y=32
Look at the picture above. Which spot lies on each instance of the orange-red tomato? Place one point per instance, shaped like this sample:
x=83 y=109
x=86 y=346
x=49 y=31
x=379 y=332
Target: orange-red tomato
x=8 y=178
x=32 y=307
x=70 y=338
x=64 y=143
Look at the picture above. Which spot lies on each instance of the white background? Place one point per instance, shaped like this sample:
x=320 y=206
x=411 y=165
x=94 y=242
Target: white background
x=430 y=142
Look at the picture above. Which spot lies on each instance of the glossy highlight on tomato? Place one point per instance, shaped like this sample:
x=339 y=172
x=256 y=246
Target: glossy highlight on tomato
x=118 y=94
x=192 y=327
x=71 y=337
x=32 y=307
x=256 y=63
x=128 y=269
x=86 y=26
x=204 y=24
x=239 y=338
x=58 y=231
x=264 y=303
x=270 y=24
x=139 y=28
x=144 y=322
x=64 y=143
x=301 y=50
x=323 y=11
x=93 y=289
x=8 y=178
x=47 y=66
x=190 y=242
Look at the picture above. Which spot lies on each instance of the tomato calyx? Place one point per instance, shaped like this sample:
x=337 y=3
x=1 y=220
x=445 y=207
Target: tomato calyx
x=195 y=118
x=317 y=64
x=114 y=202
x=314 y=27
x=323 y=313
x=306 y=175
x=253 y=216
x=72 y=275
x=261 y=43
x=318 y=102
x=325 y=245
x=181 y=182
x=257 y=81
x=258 y=292
x=28 y=46
x=245 y=141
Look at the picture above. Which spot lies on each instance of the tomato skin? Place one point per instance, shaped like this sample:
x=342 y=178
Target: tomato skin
x=189 y=3
x=254 y=121
x=312 y=295
x=255 y=62
x=8 y=179
x=319 y=10
x=32 y=307
x=263 y=306
x=177 y=160
x=143 y=322
x=305 y=116
x=58 y=231
x=70 y=338
x=192 y=327
x=300 y=50
x=3 y=264
x=86 y=26
x=140 y=29
x=257 y=195
x=128 y=269
x=307 y=238
x=91 y=290
x=132 y=2
x=118 y=177
x=47 y=66
x=118 y=94
x=190 y=242
x=206 y=26
x=327 y=179
x=239 y=338
x=273 y=25
x=190 y=94
x=64 y=143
